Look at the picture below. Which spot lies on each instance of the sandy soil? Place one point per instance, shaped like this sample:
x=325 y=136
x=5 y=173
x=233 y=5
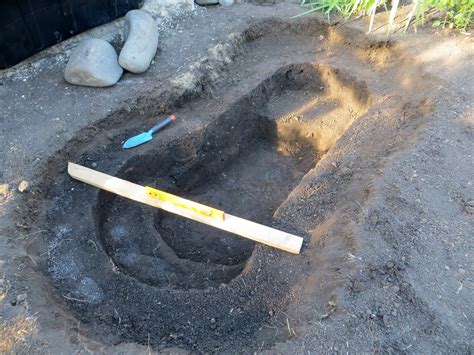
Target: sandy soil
x=369 y=142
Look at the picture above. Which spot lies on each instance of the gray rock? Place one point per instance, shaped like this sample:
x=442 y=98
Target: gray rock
x=226 y=2
x=93 y=63
x=141 y=41
x=207 y=2
x=21 y=298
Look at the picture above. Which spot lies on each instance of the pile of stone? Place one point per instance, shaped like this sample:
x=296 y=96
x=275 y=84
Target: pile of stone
x=95 y=62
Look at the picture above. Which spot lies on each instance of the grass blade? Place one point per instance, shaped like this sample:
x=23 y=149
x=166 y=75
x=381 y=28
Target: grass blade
x=393 y=12
x=410 y=15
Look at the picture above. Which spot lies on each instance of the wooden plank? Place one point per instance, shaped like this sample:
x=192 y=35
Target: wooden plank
x=245 y=228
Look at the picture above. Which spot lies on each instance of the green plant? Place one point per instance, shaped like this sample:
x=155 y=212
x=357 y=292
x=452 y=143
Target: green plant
x=326 y=6
x=457 y=13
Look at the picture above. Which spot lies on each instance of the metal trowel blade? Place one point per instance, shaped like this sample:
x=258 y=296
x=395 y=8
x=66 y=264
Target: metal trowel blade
x=137 y=140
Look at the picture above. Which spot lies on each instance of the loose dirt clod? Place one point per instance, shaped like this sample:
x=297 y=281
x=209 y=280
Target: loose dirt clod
x=5 y=195
x=24 y=186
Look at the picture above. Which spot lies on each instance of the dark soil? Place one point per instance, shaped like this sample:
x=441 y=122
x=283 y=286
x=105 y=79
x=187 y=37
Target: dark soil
x=206 y=284
x=344 y=139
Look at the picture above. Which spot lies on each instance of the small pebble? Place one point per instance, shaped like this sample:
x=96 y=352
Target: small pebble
x=395 y=289
x=242 y=299
x=213 y=320
x=390 y=265
x=24 y=186
x=270 y=313
x=20 y=298
x=469 y=207
x=94 y=165
x=345 y=170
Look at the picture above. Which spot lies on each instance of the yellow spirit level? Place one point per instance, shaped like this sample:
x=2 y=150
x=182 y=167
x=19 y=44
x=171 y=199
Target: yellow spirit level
x=183 y=203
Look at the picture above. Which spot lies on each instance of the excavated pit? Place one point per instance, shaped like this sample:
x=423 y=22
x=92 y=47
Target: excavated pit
x=135 y=273
x=162 y=249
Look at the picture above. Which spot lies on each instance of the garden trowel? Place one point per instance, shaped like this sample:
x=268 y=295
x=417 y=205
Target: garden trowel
x=148 y=136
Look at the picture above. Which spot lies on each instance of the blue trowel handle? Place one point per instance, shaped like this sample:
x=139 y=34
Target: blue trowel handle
x=162 y=124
